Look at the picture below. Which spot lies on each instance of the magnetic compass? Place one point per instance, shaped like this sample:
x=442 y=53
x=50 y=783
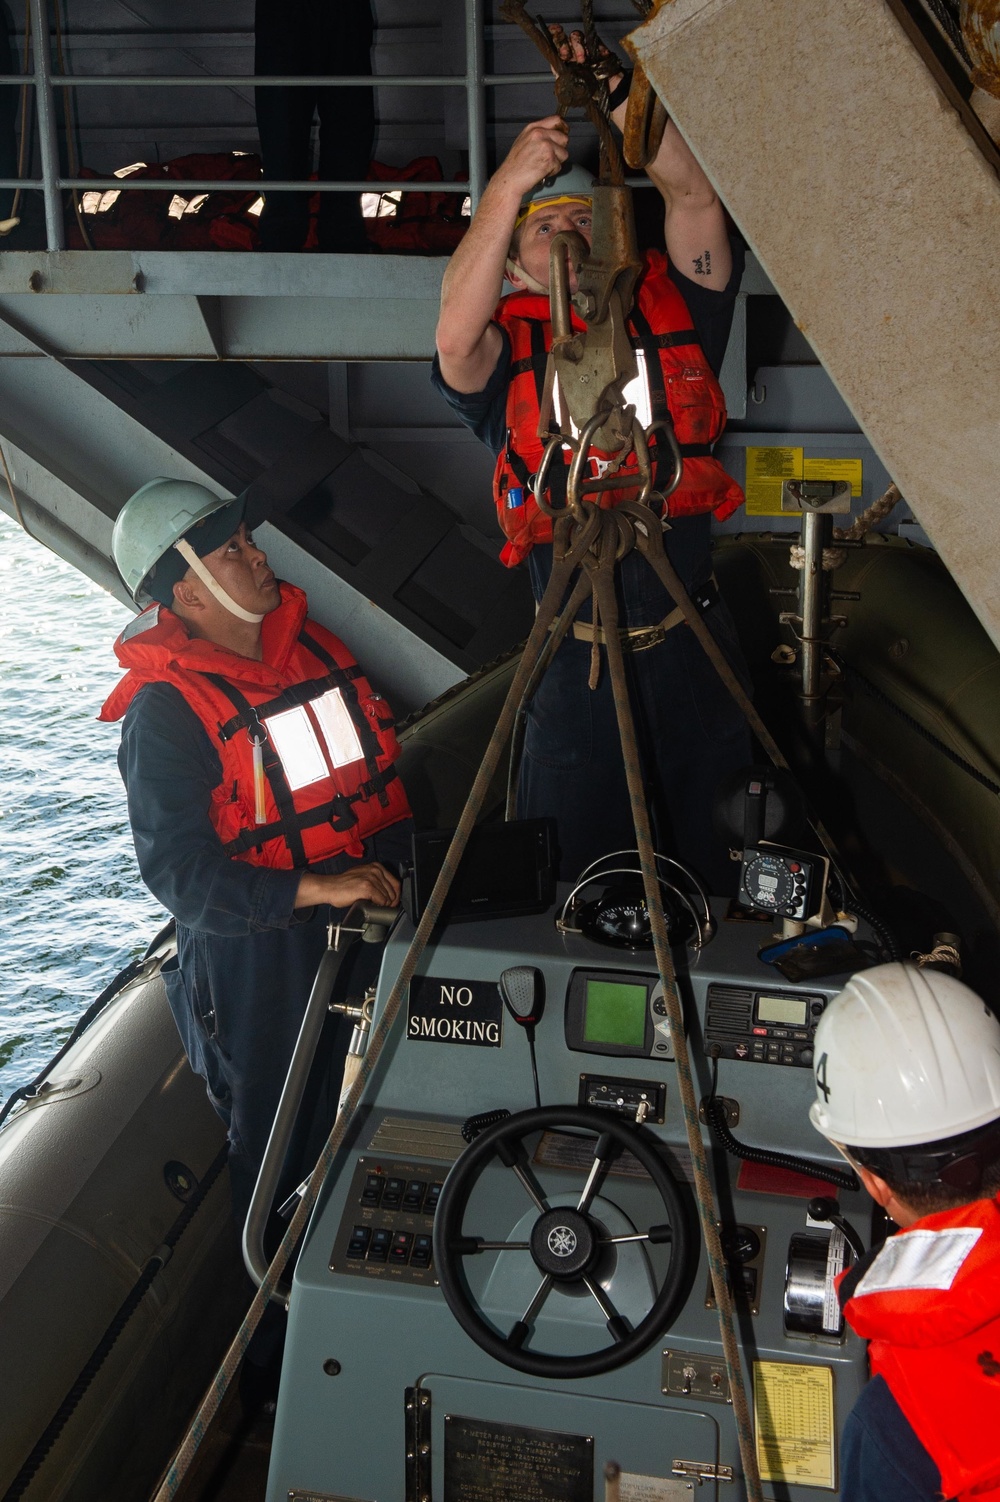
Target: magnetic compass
x=620 y=917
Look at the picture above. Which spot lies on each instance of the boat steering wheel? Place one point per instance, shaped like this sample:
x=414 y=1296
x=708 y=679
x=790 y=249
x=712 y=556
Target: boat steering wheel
x=565 y=1243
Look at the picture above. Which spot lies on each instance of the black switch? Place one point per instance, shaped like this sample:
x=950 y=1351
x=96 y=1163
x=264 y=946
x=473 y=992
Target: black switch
x=747 y=1277
x=358 y=1244
x=401 y=1243
x=432 y=1197
x=414 y=1196
x=393 y=1193
x=379 y=1249
x=372 y=1192
x=421 y=1254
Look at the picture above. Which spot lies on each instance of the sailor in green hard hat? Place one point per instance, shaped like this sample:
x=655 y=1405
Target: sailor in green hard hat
x=262 y=793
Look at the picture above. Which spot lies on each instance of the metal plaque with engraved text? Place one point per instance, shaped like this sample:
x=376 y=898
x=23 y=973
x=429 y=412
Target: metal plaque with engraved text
x=485 y=1462
x=299 y=1496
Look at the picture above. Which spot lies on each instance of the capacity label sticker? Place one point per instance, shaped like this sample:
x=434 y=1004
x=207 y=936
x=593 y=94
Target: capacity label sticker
x=768 y=467
x=467 y=1012
x=793 y=1422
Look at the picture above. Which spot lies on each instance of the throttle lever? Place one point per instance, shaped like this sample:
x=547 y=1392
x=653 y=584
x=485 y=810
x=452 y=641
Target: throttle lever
x=822 y=1208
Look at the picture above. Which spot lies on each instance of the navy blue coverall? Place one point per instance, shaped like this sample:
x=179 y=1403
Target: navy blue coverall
x=246 y=960
x=689 y=729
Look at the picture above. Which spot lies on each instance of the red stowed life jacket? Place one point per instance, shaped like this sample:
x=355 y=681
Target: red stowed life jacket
x=680 y=381
x=327 y=741
x=929 y=1303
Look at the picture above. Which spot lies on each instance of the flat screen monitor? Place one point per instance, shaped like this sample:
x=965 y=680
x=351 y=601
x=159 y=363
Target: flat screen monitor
x=615 y=1013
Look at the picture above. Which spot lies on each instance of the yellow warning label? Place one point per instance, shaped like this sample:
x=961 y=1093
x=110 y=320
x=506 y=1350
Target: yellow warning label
x=834 y=469
x=793 y=1423
x=766 y=468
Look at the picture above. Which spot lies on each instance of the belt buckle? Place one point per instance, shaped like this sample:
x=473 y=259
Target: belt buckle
x=641 y=641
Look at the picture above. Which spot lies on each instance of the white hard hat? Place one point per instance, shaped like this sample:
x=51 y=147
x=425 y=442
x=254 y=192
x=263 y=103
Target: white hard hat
x=905 y=1056
x=157 y=517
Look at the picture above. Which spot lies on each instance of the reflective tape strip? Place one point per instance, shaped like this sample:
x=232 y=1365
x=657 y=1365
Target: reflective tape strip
x=144 y=622
x=339 y=731
x=293 y=737
x=636 y=392
x=919 y=1259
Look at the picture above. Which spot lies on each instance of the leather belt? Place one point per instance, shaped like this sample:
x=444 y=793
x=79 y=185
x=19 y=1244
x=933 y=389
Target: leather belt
x=641 y=638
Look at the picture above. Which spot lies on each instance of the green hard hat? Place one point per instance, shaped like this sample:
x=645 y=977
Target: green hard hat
x=573 y=182
x=157 y=516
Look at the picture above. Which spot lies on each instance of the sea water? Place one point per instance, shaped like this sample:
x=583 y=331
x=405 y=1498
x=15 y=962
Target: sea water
x=73 y=909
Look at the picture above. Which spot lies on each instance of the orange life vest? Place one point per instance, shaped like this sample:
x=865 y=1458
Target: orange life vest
x=929 y=1303
x=327 y=741
x=681 y=384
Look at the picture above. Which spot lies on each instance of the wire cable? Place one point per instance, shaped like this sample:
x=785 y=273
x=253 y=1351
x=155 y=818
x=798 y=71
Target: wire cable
x=715 y=1115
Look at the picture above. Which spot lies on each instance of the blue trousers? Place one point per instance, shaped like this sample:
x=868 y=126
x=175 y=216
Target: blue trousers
x=690 y=732
x=238 y=1004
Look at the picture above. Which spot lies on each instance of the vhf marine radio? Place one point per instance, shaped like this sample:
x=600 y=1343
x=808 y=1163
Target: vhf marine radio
x=762 y=1026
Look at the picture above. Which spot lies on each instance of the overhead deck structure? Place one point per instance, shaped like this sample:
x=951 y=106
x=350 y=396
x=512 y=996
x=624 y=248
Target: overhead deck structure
x=307 y=374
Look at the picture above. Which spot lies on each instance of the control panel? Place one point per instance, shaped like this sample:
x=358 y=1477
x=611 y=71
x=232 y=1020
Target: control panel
x=419 y=1344
x=637 y=1100
x=769 y=1026
x=387 y=1224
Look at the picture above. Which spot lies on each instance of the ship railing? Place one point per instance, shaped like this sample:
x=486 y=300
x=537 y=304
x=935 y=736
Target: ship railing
x=475 y=81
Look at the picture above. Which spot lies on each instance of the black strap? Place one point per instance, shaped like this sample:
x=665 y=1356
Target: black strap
x=517 y=464
x=522 y=366
x=655 y=341
x=289 y=698
x=539 y=359
x=273 y=770
x=661 y=341
x=371 y=746
x=336 y=811
x=650 y=344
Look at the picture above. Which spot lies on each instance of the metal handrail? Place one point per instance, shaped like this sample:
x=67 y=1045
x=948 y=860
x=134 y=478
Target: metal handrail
x=475 y=81
x=284 y=81
x=239 y=184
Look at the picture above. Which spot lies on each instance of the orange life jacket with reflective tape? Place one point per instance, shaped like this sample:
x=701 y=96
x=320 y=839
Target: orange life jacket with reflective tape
x=326 y=740
x=680 y=382
x=929 y=1303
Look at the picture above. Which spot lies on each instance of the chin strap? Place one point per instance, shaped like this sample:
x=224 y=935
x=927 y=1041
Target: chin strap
x=514 y=270
x=191 y=558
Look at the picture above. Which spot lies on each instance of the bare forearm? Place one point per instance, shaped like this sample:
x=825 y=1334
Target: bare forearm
x=694 y=222
x=470 y=291
x=468 y=342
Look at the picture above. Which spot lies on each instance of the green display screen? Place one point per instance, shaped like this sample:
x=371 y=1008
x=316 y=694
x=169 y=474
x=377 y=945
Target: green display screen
x=615 y=1012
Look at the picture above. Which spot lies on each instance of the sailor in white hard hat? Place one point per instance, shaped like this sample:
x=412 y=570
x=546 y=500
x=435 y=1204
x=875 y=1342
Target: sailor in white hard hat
x=907 y=1077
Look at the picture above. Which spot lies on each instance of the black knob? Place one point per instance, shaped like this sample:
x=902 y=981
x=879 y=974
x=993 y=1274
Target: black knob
x=822 y=1208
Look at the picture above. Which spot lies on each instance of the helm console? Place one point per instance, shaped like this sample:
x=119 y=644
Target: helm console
x=504 y=1327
